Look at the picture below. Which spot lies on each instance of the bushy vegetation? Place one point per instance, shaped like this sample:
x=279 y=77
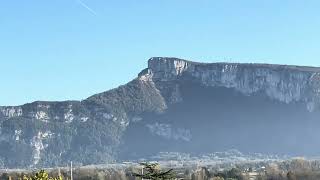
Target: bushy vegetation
x=41 y=175
x=297 y=169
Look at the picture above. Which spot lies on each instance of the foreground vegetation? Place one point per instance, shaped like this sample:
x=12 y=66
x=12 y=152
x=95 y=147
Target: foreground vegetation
x=297 y=169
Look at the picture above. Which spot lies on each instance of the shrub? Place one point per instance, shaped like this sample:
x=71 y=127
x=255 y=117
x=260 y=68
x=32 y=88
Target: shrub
x=42 y=175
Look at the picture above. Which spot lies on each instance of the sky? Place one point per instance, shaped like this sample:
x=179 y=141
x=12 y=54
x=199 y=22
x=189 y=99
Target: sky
x=70 y=49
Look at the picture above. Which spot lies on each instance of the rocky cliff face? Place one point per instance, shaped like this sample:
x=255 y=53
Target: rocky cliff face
x=283 y=83
x=173 y=105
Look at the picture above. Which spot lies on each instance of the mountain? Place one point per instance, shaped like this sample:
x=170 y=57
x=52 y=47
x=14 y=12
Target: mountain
x=173 y=105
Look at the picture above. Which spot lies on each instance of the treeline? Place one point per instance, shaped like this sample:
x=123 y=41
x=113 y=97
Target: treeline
x=297 y=169
x=126 y=174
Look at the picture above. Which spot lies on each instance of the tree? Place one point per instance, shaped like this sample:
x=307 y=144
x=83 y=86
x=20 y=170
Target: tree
x=153 y=172
x=291 y=176
x=41 y=175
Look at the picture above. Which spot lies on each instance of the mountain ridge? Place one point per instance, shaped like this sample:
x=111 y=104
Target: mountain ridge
x=95 y=129
x=301 y=68
x=290 y=66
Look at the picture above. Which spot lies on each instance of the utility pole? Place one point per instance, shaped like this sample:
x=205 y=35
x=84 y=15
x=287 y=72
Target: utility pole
x=59 y=172
x=71 y=175
x=142 y=172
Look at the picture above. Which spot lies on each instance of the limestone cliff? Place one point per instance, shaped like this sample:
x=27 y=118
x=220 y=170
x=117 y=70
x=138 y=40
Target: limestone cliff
x=280 y=82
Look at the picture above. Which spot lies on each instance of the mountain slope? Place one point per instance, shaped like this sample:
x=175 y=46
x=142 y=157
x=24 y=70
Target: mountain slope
x=173 y=105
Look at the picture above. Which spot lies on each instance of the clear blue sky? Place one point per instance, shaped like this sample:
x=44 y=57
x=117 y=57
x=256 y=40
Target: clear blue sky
x=71 y=49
